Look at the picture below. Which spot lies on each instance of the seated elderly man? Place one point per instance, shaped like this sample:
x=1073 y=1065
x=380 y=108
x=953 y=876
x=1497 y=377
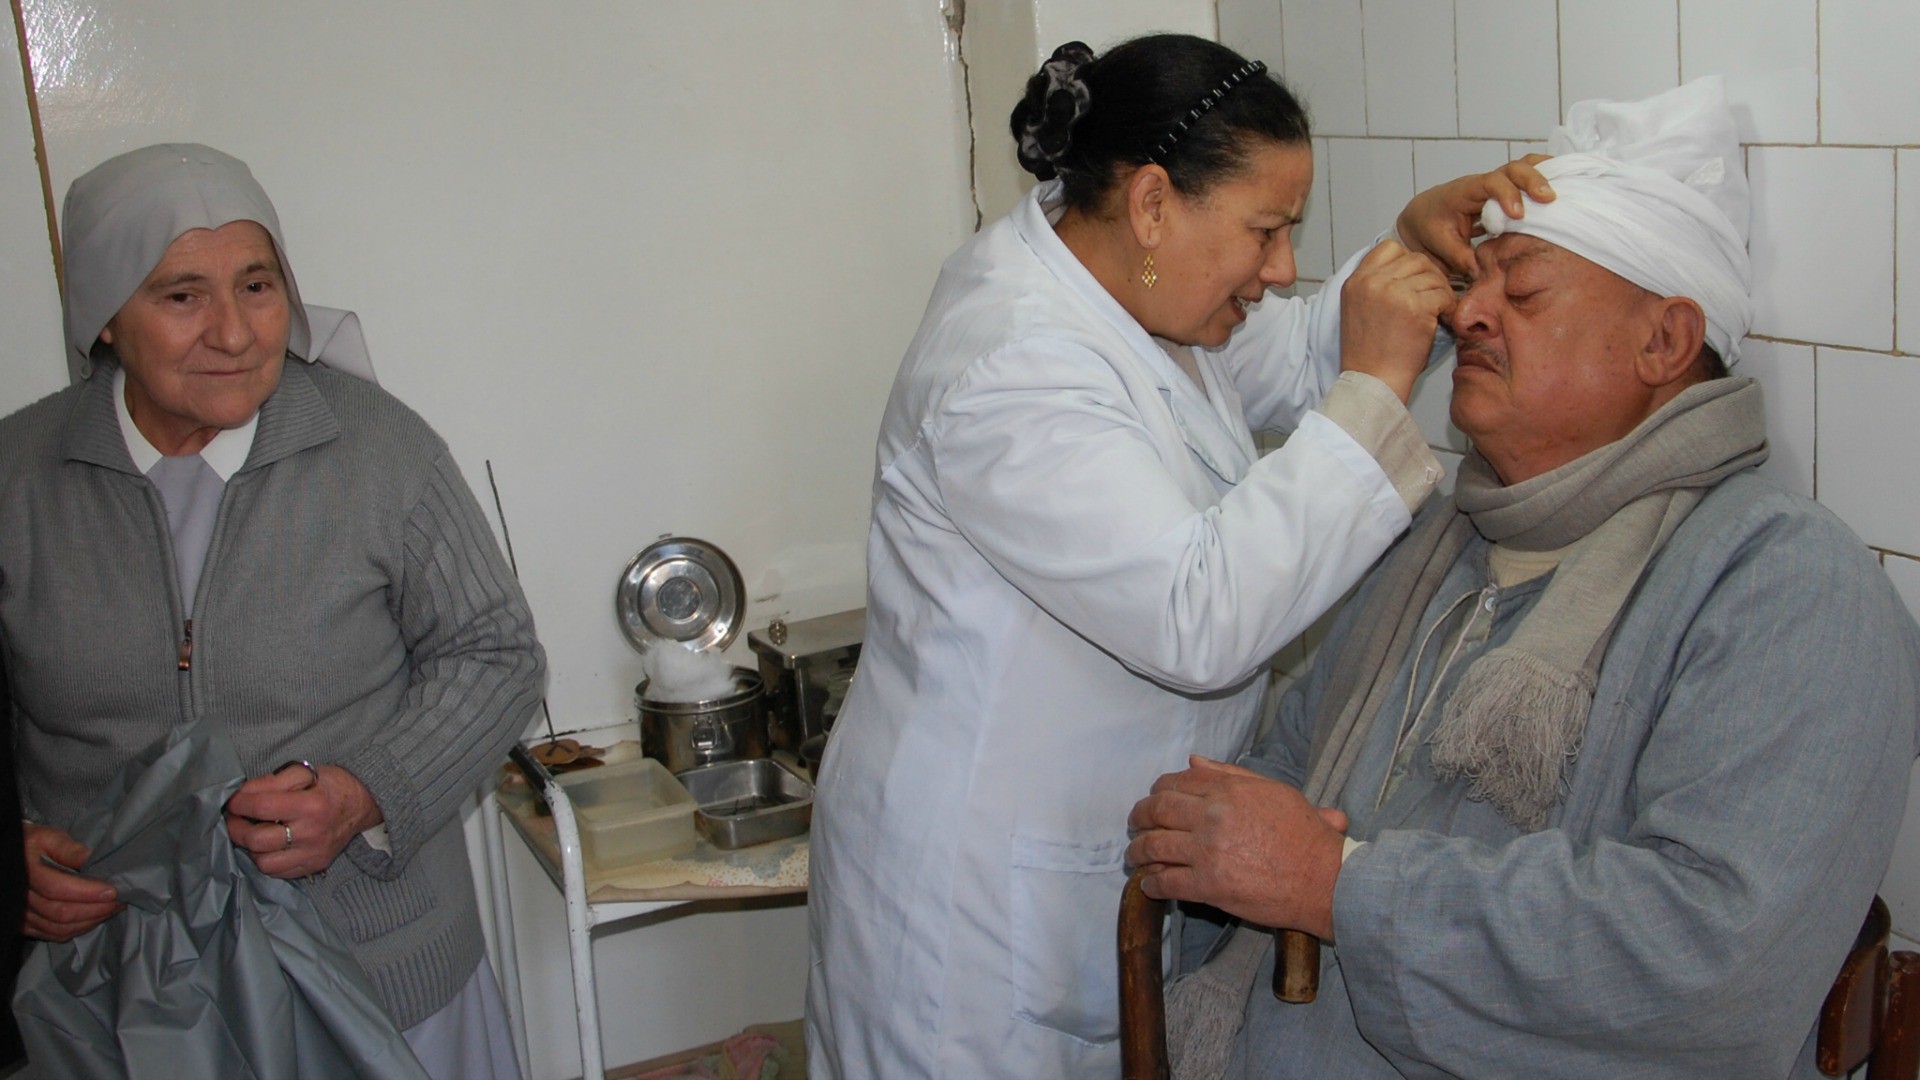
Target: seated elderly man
x=1619 y=736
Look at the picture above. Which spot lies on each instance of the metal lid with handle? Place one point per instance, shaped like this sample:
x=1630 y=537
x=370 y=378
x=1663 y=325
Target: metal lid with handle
x=680 y=589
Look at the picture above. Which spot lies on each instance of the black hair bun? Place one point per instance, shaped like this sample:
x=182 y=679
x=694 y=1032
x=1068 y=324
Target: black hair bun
x=1043 y=120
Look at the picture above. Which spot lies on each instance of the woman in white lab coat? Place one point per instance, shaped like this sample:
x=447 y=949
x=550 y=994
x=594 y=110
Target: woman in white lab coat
x=1079 y=566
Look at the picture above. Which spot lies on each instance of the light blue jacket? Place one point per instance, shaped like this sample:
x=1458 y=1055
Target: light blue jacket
x=1729 y=817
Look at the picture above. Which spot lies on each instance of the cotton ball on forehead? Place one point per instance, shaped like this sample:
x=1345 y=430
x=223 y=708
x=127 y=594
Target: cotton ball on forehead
x=681 y=673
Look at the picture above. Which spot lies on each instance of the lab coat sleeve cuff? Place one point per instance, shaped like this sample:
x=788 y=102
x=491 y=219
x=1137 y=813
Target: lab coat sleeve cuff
x=1374 y=416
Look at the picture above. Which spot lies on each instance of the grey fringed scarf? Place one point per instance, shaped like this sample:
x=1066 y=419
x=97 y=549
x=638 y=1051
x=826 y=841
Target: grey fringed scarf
x=1516 y=719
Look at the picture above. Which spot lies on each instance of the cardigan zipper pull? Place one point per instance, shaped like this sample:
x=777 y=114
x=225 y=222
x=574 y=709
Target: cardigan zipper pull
x=186 y=647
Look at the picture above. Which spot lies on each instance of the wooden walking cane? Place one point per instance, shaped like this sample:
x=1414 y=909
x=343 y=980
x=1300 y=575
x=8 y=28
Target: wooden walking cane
x=1296 y=966
x=1143 y=1003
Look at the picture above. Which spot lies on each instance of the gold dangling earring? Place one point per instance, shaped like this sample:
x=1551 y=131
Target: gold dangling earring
x=1147 y=276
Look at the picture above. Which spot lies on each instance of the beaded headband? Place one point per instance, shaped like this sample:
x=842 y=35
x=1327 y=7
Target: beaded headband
x=1207 y=101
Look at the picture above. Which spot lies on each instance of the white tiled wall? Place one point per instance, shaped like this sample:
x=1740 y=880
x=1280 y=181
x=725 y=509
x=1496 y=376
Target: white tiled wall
x=1369 y=181
x=1785 y=368
x=1521 y=94
x=1867 y=443
x=1410 y=87
x=1827 y=93
x=1906 y=312
x=1617 y=48
x=1767 y=51
x=1313 y=237
x=1323 y=61
x=1822 y=244
x=1869 y=82
x=1439 y=160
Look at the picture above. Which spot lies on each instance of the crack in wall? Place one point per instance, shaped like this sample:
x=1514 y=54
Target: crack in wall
x=955 y=12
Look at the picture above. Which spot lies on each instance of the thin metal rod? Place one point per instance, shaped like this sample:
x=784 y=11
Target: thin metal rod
x=513 y=564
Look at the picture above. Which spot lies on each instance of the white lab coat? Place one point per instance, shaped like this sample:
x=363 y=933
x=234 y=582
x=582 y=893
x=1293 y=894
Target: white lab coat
x=1077 y=572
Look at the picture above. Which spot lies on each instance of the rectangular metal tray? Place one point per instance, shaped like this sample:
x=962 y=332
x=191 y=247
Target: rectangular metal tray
x=741 y=803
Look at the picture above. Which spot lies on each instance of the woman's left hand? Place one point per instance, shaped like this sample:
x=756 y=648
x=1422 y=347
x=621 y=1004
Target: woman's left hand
x=295 y=823
x=1442 y=221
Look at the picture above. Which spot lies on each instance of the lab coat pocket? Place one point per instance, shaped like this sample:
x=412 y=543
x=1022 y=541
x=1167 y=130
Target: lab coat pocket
x=1066 y=900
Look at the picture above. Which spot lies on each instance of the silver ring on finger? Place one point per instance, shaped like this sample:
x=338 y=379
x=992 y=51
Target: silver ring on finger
x=288 y=829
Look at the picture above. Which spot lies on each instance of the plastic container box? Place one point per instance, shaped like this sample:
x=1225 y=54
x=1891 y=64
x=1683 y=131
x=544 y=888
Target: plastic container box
x=629 y=813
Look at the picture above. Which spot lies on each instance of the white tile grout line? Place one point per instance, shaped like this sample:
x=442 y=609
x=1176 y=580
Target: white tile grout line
x=1775 y=339
x=1456 y=68
x=1366 y=102
x=1679 y=53
x=1819 y=79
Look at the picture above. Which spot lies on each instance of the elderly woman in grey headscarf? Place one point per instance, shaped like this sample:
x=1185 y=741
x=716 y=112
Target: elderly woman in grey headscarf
x=210 y=526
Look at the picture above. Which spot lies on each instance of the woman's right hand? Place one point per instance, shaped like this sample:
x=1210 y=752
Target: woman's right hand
x=61 y=904
x=1389 y=310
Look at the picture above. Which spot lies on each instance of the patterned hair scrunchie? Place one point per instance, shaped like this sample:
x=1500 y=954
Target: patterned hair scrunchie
x=1062 y=104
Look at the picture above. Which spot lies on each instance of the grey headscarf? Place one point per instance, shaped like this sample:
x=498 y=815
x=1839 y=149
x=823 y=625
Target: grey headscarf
x=121 y=216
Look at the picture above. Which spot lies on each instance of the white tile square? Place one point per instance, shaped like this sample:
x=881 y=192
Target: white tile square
x=1430 y=405
x=1509 y=67
x=1867 y=444
x=1905 y=575
x=1622 y=50
x=1869 y=77
x=1409 y=47
x=1768 y=51
x=1906 y=313
x=1313 y=236
x=1252 y=29
x=1436 y=161
x=1325 y=63
x=1518 y=150
x=1370 y=181
x=1785 y=372
x=1901 y=888
x=1822 y=244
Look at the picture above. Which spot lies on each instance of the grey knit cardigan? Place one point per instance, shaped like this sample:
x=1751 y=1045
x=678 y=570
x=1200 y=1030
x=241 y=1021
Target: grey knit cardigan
x=353 y=610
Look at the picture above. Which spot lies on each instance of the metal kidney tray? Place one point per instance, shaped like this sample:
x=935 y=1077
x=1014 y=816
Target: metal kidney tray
x=740 y=803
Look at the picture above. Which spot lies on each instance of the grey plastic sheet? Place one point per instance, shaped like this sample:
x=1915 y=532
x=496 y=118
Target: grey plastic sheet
x=215 y=969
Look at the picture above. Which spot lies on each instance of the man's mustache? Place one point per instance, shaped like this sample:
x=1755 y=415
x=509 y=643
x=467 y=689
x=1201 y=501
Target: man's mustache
x=1479 y=354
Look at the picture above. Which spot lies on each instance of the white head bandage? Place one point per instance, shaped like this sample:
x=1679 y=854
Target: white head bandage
x=1654 y=191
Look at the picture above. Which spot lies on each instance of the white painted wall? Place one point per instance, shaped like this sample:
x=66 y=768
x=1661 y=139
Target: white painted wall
x=1406 y=93
x=1006 y=41
x=656 y=261
x=30 y=334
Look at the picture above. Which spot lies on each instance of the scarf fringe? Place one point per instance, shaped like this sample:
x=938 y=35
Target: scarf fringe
x=1206 y=1007
x=1512 y=727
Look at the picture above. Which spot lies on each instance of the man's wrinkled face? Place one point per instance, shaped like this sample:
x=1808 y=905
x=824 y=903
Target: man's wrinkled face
x=1547 y=350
